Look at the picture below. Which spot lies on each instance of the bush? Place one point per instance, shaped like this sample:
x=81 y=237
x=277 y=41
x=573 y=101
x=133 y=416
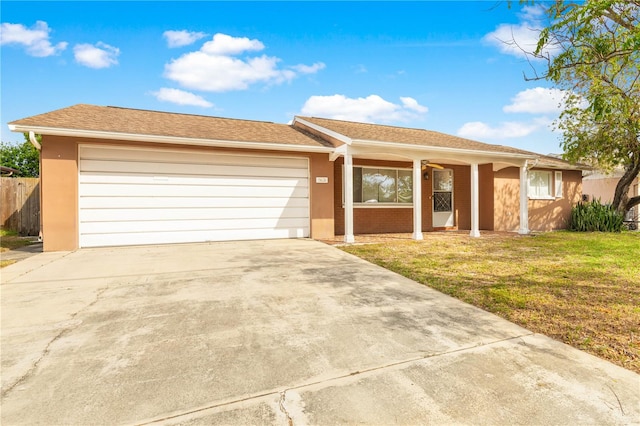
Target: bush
x=595 y=216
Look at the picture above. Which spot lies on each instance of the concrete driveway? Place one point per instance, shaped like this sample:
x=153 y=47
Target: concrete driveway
x=276 y=332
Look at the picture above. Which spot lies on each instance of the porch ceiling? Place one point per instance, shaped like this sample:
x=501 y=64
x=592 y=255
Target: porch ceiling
x=396 y=152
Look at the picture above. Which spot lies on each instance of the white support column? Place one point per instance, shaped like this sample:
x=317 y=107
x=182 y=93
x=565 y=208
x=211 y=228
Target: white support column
x=524 y=200
x=348 y=198
x=417 y=200
x=475 y=202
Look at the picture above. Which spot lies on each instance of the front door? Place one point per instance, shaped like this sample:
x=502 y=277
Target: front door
x=442 y=198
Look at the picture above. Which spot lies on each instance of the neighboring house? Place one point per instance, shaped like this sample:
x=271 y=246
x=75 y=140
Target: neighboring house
x=118 y=176
x=597 y=185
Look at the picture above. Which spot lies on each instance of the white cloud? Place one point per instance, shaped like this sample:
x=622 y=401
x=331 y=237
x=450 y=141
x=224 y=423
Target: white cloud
x=182 y=37
x=520 y=39
x=309 y=69
x=34 y=39
x=99 y=56
x=412 y=104
x=181 y=97
x=371 y=109
x=480 y=131
x=538 y=100
x=215 y=68
x=223 y=44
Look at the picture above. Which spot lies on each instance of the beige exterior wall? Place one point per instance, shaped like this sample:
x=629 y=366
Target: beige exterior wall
x=506 y=199
x=60 y=188
x=322 y=220
x=544 y=215
x=59 y=176
x=604 y=188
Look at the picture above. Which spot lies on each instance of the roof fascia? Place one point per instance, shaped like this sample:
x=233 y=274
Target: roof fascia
x=429 y=148
x=339 y=136
x=167 y=139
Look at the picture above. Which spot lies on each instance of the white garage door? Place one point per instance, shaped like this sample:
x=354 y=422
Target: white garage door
x=140 y=196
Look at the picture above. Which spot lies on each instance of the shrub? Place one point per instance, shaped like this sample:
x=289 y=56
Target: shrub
x=595 y=216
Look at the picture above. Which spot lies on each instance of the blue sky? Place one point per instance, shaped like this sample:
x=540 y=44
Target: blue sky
x=441 y=66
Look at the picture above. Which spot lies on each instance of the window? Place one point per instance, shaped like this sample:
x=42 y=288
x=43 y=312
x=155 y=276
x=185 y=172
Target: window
x=558 y=184
x=540 y=184
x=388 y=186
x=545 y=184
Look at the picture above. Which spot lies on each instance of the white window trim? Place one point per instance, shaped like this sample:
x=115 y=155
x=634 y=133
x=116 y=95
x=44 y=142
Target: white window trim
x=551 y=183
x=377 y=205
x=557 y=184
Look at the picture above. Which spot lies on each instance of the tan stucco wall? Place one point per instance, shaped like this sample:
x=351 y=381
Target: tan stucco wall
x=544 y=215
x=60 y=187
x=506 y=199
x=59 y=177
x=322 y=220
x=604 y=188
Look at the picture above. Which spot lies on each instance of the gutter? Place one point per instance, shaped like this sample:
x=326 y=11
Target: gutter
x=36 y=144
x=33 y=140
x=96 y=134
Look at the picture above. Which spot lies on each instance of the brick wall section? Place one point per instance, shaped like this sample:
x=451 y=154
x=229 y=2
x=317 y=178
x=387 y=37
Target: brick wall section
x=485 y=195
x=371 y=220
x=461 y=196
x=400 y=220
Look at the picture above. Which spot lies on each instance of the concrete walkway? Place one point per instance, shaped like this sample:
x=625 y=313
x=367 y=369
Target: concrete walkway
x=276 y=332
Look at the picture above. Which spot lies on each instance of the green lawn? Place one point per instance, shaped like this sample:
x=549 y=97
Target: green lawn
x=580 y=288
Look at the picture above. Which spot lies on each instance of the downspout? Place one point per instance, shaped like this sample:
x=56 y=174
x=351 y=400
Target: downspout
x=36 y=144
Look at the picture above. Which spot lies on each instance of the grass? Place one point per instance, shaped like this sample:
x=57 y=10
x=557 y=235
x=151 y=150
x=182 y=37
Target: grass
x=580 y=288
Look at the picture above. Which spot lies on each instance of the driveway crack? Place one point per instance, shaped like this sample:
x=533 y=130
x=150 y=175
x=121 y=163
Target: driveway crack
x=47 y=348
x=283 y=397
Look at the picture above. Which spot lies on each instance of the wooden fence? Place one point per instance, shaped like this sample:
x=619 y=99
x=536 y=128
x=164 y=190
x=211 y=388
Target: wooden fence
x=20 y=209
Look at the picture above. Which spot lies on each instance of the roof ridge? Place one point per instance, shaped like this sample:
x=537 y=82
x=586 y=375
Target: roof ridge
x=182 y=113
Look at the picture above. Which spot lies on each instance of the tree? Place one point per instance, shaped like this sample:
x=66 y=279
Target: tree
x=22 y=156
x=592 y=50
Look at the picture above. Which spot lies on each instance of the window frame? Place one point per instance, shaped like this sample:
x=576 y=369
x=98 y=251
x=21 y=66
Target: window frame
x=378 y=205
x=554 y=180
x=557 y=184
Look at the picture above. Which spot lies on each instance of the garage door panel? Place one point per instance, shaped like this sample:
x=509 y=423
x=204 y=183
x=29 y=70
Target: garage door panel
x=189 y=158
x=169 y=237
x=227 y=181
x=142 y=196
x=118 y=215
x=188 y=169
x=189 y=202
x=159 y=190
x=193 y=225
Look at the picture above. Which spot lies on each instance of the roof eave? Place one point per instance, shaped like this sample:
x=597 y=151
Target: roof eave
x=430 y=148
x=97 y=134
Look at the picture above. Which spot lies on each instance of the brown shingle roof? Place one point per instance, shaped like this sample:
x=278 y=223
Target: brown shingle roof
x=156 y=123
x=382 y=133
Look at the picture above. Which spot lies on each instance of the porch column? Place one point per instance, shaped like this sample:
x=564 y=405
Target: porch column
x=524 y=199
x=475 y=215
x=417 y=200
x=348 y=198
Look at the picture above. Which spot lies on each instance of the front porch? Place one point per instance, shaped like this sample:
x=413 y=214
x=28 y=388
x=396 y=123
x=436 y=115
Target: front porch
x=473 y=199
